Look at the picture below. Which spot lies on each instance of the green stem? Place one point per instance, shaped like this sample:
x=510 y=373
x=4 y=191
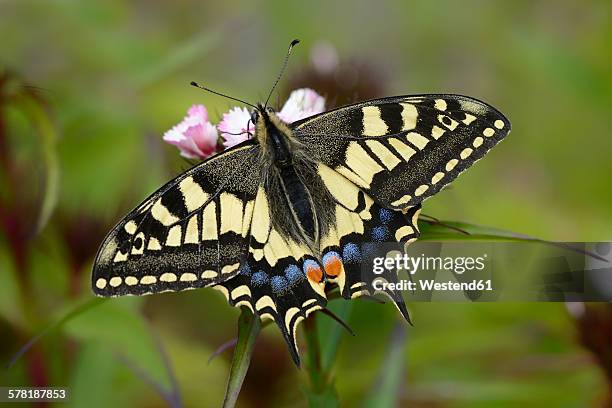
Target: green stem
x=321 y=392
x=248 y=329
x=317 y=378
x=388 y=387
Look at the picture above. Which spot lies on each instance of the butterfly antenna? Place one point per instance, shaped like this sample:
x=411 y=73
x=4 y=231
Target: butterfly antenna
x=193 y=83
x=293 y=43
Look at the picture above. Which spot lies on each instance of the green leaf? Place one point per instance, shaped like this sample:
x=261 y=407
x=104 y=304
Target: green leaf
x=124 y=331
x=452 y=231
x=248 y=328
x=461 y=231
x=388 y=387
x=92 y=378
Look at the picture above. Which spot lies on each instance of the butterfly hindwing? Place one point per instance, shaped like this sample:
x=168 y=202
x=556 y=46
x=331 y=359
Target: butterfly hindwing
x=280 y=280
x=401 y=150
x=190 y=233
x=360 y=229
x=283 y=294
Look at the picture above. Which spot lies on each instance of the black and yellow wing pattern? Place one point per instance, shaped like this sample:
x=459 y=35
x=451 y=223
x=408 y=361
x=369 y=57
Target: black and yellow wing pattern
x=191 y=233
x=280 y=279
x=403 y=149
x=395 y=152
x=213 y=226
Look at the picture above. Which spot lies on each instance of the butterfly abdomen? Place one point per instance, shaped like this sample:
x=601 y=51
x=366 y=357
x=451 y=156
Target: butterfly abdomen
x=299 y=199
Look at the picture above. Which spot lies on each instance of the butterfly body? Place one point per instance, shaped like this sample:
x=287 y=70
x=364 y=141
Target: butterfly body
x=272 y=222
x=291 y=182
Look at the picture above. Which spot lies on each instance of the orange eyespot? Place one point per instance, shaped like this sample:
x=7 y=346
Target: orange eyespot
x=313 y=271
x=332 y=264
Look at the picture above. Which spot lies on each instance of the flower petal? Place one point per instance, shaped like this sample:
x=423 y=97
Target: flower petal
x=301 y=104
x=198 y=111
x=204 y=136
x=233 y=127
x=195 y=137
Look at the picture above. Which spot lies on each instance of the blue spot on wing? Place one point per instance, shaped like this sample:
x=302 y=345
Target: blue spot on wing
x=245 y=269
x=385 y=215
x=293 y=274
x=309 y=263
x=279 y=284
x=380 y=233
x=351 y=253
x=259 y=278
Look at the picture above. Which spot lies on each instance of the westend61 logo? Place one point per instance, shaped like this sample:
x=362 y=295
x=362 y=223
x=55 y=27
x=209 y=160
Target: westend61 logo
x=490 y=271
x=456 y=265
x=412 y=264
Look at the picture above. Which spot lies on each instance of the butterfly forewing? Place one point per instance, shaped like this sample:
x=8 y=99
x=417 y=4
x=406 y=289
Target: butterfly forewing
x=190 y=233
x=401 y=150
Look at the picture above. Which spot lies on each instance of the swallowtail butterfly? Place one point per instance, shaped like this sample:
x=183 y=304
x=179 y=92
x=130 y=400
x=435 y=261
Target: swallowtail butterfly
x=273 y=221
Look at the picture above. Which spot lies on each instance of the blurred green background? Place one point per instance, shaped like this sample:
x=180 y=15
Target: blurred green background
x=88 y=88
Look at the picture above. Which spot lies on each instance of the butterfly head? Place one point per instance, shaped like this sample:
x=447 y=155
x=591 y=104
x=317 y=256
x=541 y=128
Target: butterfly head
x=259 y=112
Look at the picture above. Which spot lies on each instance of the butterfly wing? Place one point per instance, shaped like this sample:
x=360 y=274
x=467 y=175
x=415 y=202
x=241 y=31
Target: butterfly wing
x=380 y=159
x=403 y=149
x=360 y=227
x=190 y=233
x=280 y=280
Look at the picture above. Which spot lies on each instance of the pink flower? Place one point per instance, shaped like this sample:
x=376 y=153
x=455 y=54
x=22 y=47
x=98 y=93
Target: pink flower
x=195 y=136
x=301 y=104
x=233 y=127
